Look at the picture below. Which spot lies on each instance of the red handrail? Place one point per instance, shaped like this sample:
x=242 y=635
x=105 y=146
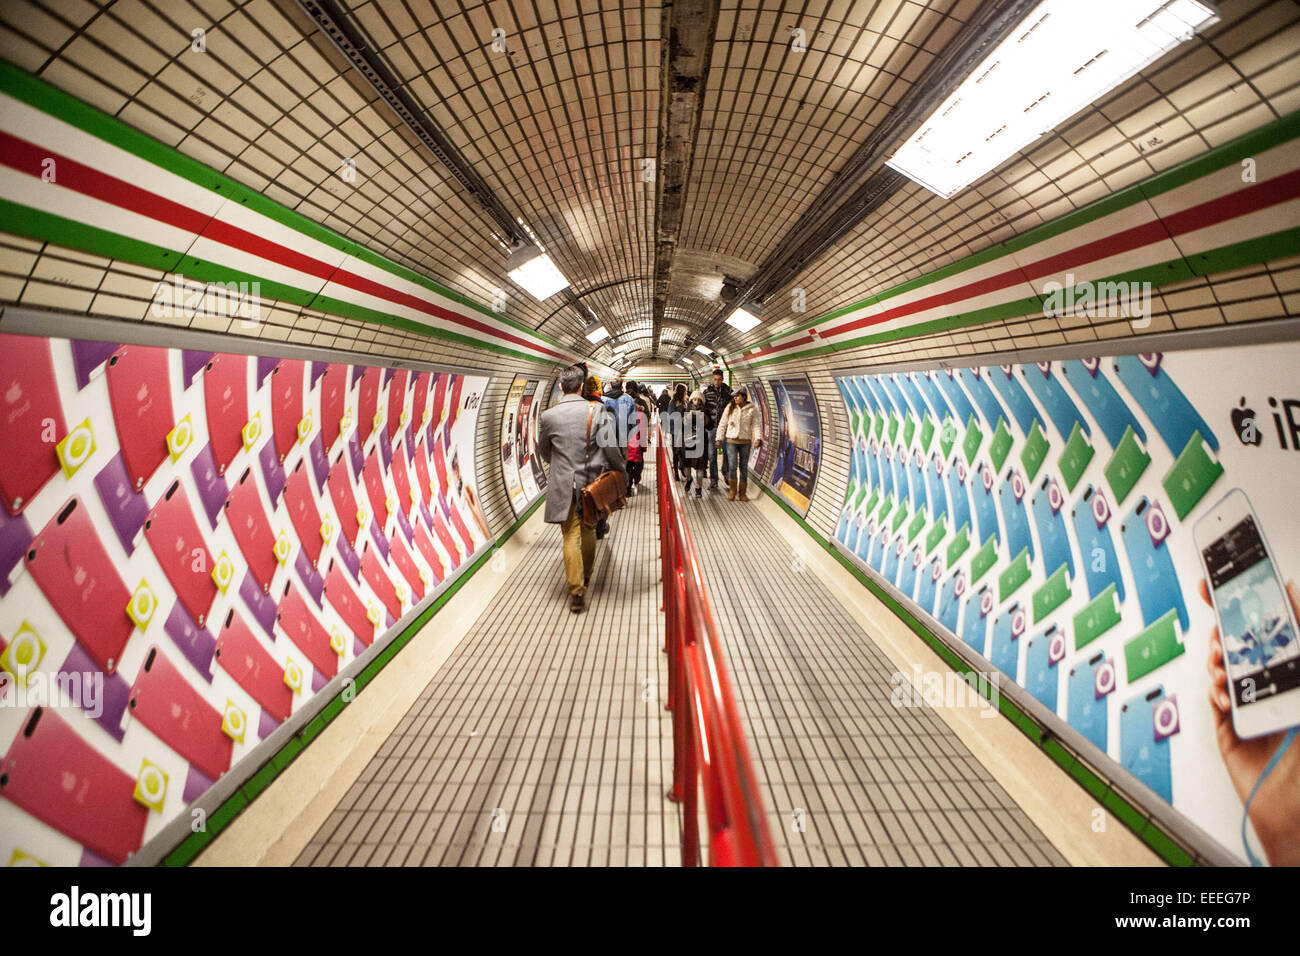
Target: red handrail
x=709 y=749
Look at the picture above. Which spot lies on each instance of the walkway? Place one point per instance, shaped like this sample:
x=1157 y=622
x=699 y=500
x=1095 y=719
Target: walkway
x=543 y=739
x=876 y=784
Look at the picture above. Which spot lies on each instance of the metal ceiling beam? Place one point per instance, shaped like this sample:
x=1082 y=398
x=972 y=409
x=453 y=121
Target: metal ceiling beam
x=687 y=32
x=351 y=41
x=842 y=205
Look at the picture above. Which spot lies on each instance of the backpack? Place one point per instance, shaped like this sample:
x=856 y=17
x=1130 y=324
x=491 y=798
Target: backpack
x=625 y=408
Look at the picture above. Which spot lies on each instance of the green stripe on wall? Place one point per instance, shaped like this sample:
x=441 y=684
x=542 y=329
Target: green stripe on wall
x=59 y=230
x=47 y=227
x=993 y=313
x=1266 y=137
x=48 y=99
x=340 y=307
x=1248 y=252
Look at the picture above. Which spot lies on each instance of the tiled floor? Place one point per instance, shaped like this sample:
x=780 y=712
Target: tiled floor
x=848 y=778
x=543 y=739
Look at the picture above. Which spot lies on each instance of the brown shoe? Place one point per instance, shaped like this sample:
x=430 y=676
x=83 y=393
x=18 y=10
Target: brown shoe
x=731 y=489
x=577 y=603
x=743 y=494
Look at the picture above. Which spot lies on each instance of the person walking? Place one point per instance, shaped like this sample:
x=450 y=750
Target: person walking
x=576 y=438
x=716 y=398
x=740 y=431
x=638 y=442
x=618 y=401
x=591 y=391
x=694 y=443
x=672 y=423
x=665 y=399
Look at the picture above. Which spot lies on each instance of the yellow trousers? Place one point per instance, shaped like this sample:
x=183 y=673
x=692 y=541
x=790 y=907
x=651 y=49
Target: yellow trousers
x=579 y=549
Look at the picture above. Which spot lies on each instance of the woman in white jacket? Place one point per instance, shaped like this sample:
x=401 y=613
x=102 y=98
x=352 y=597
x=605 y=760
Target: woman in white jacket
x=740 y=430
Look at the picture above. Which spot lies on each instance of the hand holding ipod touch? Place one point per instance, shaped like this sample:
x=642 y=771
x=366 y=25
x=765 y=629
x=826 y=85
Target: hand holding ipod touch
x=1257 y=624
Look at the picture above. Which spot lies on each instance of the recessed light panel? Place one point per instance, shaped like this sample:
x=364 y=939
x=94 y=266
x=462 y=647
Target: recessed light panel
x=1062 y=57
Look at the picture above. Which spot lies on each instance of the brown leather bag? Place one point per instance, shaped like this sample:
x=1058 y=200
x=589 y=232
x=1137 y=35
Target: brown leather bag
x=605 y=495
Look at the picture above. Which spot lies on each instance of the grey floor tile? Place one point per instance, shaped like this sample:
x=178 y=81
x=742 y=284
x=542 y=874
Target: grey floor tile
x=543 y=739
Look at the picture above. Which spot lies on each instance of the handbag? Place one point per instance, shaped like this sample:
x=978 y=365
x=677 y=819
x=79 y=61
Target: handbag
x=605 y=495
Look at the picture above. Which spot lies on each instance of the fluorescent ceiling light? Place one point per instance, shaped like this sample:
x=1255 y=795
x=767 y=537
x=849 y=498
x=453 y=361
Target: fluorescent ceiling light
x=742 y=320
x=533 y=270
x=1062 y=57
x=597 y=333
x=704 y=349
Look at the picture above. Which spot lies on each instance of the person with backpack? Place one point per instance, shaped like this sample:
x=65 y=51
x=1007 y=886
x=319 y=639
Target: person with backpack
x=621 y=404
x=716 y=398
x=638 y=442
x=740 y=430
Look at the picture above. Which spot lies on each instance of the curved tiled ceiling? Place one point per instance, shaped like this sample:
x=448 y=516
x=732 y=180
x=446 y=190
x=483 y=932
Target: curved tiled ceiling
x=557 y=111
x=1239 y=76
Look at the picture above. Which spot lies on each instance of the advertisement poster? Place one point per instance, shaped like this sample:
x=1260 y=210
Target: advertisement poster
x=525 y=441
x=758 y=396
x=510 y=444
x=459 y=439
x=799 y=441
x=192 y=545
x=534 y=429
x=524 y=477
x=1071 y=521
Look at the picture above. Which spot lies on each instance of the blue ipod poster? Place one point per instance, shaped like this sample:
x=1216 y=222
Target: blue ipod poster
x=1132 y=522
x=798 y=441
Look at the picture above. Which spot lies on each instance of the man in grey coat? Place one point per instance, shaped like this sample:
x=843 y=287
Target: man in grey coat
x=575 y=462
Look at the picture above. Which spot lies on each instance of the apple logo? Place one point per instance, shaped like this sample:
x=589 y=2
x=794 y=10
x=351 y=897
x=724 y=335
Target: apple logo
x=1243 y=423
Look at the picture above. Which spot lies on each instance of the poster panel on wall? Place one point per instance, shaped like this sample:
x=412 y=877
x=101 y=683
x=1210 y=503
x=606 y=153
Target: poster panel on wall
x=203 y=543
x=1107 y=531
x=525 y=441
x=798 y=441
x=510 y=439
x=757 y=395
x=524 y=476
x=534 y=427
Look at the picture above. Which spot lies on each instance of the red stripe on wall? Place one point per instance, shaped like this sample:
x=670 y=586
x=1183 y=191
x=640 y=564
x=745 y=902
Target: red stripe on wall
x=27 y=157
x=1243 y=202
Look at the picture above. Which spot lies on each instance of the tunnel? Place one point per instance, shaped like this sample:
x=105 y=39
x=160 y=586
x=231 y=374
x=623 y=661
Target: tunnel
x=938 y=359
